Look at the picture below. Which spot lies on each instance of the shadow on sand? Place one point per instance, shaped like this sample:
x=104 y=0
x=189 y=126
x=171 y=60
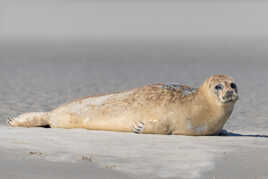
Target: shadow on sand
x=233 y=134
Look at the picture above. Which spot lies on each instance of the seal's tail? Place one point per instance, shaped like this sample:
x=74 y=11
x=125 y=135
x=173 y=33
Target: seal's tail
x=33 y=119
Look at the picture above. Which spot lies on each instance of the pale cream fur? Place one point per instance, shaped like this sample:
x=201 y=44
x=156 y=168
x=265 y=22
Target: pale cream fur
x=154 y=109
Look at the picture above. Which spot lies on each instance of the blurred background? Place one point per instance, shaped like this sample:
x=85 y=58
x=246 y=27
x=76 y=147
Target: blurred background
x=126 y=30
x=127 y=19
x=54 y=51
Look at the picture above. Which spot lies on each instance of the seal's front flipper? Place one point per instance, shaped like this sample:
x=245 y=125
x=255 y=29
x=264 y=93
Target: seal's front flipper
x=33 y=119
x=138 y=127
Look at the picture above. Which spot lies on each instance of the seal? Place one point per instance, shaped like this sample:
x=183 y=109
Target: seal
x=151 y=109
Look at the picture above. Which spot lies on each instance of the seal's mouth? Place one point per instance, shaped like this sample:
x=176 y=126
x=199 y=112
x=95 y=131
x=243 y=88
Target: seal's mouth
x=229 y=98
x=228 y=101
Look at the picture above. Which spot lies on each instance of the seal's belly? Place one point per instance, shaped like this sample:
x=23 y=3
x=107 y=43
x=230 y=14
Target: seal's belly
x=137 y=121
x=112 y=117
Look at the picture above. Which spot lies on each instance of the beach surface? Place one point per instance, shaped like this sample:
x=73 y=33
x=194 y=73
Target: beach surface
x=40 y=76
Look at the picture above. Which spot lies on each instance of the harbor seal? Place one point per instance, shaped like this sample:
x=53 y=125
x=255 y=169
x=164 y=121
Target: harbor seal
x=151 y=109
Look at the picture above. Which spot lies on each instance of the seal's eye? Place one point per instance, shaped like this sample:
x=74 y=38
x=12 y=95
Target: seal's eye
x=219 y=87
x=233 y=85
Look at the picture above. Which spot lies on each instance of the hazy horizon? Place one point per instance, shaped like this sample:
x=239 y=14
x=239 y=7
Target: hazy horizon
x=115 y=19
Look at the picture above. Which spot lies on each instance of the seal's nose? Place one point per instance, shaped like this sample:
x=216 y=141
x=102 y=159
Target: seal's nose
x=228 y=94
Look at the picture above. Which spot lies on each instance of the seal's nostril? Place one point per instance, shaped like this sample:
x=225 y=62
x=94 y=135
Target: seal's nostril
x=229 y=93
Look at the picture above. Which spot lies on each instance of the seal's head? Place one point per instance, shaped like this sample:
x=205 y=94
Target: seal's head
x=222 y=89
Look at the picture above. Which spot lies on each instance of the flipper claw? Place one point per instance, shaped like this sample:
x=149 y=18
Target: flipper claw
x=138 y=127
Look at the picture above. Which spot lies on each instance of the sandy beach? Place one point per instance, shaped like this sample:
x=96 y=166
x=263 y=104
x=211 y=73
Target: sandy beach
x=40 y=76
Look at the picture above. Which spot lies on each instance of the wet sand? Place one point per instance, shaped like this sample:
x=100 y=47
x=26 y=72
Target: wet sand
x=42 y=76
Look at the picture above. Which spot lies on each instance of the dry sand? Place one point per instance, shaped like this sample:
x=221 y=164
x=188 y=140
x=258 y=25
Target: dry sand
x=14 y=166
x=134 y=156
x=38 y=77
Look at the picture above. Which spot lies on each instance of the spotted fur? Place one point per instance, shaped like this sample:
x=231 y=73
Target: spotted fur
x=154 y=109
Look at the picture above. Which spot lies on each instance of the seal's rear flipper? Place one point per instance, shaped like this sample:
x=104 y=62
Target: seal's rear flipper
x=33 y=119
